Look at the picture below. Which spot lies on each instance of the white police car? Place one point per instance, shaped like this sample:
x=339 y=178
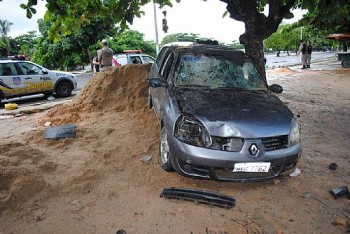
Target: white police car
x=131 y=57
x=19 y=78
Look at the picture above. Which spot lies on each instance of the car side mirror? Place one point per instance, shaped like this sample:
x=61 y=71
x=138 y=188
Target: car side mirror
x=275 y=88
x=44 y=71
x=156 y=83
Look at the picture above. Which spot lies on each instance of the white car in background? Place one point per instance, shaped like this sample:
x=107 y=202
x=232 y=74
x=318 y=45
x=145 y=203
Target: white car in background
x=131 y=57
x=19 y=78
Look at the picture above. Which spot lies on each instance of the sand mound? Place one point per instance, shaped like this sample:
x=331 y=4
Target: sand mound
x=19 y=177
x=115 y=89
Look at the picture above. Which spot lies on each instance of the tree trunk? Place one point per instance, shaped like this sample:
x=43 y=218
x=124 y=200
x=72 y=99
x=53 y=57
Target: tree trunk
x=257 y=25
x=254 y=48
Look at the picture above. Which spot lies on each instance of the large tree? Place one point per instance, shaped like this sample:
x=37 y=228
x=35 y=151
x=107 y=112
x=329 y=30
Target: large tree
x=131 y=40
x=4 y=31
x=72 y=49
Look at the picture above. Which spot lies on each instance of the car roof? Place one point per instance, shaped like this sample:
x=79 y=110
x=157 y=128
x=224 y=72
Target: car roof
x=208 y=48
x=126 y=54
x=7 y=61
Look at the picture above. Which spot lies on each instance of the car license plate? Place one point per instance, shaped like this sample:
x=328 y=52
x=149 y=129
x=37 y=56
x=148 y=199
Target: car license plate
x=252 y=167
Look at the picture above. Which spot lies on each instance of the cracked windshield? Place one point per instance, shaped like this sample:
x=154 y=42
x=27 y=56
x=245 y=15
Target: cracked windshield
x=217 y=72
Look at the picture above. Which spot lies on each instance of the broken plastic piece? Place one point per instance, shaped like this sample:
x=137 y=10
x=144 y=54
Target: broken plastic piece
x=295 y=172
x=200 y=196
x=146 y=158
x=333 y=166
x=64 y=131
x=340 y=192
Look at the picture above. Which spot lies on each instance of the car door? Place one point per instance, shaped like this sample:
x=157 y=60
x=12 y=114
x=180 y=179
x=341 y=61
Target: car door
x=35 y=78
x=161 y=99
x=11 y=82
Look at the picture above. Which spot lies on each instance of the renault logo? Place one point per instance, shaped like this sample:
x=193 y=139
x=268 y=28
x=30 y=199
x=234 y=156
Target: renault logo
x=253 y=150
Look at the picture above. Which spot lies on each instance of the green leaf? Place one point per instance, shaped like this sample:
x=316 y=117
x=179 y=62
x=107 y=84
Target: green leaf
x=23 y=6
x=33 y=10
x=29 y=14
x=225 y=14
x=32 y=3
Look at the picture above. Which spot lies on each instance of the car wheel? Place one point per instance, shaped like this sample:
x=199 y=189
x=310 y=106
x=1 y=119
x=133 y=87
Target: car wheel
x=63 y=89
x=164 y=151
x=345 y=63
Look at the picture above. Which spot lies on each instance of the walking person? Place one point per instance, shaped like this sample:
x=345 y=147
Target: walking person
x=105 y=56
x=302 y=50
x=308 y=53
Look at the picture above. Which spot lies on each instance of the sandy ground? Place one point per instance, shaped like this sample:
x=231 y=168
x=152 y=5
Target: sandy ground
x=98 y=183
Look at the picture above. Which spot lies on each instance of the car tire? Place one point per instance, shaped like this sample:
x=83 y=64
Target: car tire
x=164 y=151
x=64 y=89
x=345 y=63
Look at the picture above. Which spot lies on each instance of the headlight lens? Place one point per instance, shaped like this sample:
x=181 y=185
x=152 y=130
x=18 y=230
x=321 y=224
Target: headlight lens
x=190 y=131
x=294 y=135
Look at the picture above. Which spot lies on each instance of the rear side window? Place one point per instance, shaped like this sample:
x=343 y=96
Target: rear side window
x=167 y=65
x=163 y=54
x=8 y=69
x=147 y=59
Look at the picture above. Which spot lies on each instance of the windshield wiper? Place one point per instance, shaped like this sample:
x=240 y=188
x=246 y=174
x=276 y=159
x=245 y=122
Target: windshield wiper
x=241 y=89
x=193 y=86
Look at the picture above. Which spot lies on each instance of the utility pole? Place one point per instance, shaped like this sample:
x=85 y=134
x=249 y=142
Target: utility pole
x=156 y=26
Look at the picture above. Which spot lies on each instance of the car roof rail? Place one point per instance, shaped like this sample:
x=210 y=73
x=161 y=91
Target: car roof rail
x=132 y=51
x=207 y=42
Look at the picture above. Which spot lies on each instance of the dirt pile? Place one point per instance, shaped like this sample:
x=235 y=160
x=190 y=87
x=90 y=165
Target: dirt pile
x=29 y=167
x=115 y=89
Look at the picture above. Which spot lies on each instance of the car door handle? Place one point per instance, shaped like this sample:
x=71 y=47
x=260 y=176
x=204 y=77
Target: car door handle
x=28 y=78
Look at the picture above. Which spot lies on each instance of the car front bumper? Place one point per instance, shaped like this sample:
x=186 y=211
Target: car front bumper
x=216 y=164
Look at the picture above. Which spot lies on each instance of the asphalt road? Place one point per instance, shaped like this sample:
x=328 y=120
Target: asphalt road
x=272 y=61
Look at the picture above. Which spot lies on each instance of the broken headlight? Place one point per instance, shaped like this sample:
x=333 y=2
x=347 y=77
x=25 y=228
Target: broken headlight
x=294 y=134
x=191 y=131
x=227 y=144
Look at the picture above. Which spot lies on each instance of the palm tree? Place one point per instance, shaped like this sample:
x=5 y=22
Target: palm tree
x=4 y=30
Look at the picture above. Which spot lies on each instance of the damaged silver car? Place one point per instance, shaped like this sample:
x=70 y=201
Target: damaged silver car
x=219 y=119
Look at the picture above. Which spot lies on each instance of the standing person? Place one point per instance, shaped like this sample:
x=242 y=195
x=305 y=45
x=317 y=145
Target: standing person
x=302 y=50
x=95 y=63
x=105 y=56
x=308 y=53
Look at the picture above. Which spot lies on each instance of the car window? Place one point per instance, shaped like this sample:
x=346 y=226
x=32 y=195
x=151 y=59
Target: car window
x=166 y=68
x=8 y=69
x=135 y=59
x=163 y=55
x=122 y=60
x=30 y=69
x=217 y=72
x=147 y=59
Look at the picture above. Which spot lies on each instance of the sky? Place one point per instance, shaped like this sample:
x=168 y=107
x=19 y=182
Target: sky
x=189 y=16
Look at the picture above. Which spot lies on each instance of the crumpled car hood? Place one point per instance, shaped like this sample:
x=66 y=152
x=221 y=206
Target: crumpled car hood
x=232 y=113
